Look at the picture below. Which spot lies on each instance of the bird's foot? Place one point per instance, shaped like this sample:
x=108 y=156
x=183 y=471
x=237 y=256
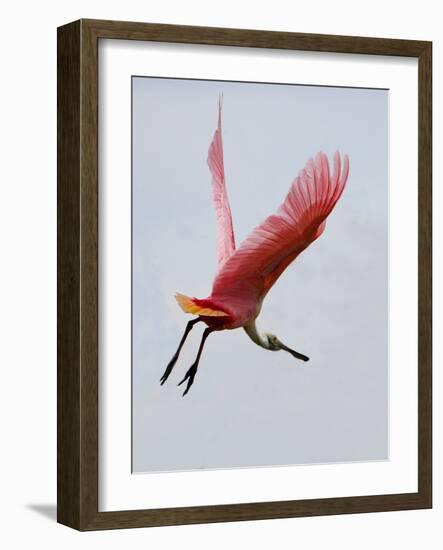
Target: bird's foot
x=168 y=369
x=189 y=376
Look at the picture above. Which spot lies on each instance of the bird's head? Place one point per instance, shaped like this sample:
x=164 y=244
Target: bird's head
x=274 y=344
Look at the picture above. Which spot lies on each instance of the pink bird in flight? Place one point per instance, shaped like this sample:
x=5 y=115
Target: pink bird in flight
x=247 y=273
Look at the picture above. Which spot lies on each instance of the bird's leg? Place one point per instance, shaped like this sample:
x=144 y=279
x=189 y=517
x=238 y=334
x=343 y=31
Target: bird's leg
x=190 y=375
x=177 y=353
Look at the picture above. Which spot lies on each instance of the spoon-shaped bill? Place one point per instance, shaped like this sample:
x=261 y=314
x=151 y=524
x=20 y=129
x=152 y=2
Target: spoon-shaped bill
x=294 y=353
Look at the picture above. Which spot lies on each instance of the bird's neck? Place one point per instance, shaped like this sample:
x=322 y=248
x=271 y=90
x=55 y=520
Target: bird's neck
x=255 y=336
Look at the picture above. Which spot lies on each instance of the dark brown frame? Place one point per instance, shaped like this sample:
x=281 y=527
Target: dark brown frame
x=77 y=428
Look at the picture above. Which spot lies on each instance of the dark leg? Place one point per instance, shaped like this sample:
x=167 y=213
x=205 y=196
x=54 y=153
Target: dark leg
x=190 y=375
x=177 y=353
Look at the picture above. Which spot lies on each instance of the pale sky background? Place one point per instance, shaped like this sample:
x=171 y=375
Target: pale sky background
x=248 y=406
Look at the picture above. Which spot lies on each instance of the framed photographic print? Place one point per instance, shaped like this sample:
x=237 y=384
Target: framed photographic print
x=244 y=275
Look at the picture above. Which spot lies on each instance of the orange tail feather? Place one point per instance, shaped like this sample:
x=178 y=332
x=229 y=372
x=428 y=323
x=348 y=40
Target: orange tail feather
x=189 y=305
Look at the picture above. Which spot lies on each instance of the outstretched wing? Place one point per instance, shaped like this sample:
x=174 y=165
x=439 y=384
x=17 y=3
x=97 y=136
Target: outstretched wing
x=225 y=232
x=258 y=262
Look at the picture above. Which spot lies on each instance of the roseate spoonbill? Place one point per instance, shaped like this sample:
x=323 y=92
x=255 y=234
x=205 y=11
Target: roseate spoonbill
x=246 y=274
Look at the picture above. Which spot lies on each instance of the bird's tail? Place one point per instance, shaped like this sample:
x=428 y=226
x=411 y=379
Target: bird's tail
x=198 y=307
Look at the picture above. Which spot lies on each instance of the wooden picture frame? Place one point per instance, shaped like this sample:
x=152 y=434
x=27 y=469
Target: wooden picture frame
x=77 y=456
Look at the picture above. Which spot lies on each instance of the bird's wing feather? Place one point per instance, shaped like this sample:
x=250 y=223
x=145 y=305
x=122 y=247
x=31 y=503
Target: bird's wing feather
x=225 y=231
x=258 y=262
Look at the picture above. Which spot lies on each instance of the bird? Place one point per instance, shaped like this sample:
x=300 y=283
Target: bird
x=246 y=274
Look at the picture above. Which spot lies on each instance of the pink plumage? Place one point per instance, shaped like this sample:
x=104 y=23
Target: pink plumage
x=246 y=274
x=253 y=268
x=225 y=231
